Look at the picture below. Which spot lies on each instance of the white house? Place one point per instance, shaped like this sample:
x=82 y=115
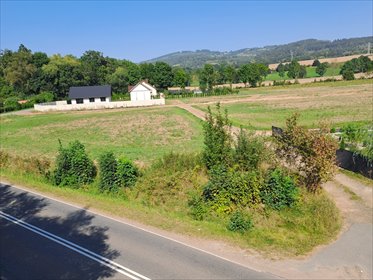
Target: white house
x=142 y=91
x=90 y=94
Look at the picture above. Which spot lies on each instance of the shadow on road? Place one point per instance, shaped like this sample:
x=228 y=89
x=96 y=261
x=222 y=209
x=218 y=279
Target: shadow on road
x=26 y=255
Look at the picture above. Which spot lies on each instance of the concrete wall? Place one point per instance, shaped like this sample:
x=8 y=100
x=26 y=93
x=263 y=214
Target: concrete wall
x=63 y=106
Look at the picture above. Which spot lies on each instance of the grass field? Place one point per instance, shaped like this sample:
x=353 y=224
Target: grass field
x=161 y=196
x=139 y=134
x=351 y=102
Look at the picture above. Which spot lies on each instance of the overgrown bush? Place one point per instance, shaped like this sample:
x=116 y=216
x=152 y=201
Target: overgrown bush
x=73 y=166
x=108 y=173
x=116 y=173
x=249 y=151
x=240 y=222
x=217 y=139
x=279 y=191
x=228 y=189
x=197 y=206
x=310 y=152
x=127 y=173
x=348 y=75
x=235 y=176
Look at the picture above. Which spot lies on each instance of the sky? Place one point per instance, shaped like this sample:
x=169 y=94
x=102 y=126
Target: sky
x=142 y=30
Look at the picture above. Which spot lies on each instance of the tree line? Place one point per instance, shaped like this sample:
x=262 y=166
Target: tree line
x=24 y=73
x=37 y=77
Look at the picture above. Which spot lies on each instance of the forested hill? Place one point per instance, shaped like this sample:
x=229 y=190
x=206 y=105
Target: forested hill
x=302 y=50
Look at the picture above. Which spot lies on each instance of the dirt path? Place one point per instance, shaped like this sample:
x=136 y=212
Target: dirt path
x=201 y=115
x=348 y=257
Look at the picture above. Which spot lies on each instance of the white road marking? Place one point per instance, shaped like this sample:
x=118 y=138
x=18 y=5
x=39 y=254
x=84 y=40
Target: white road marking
x=83 y=251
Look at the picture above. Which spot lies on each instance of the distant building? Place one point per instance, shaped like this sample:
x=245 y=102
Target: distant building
x=142 y=91
x=90 y=94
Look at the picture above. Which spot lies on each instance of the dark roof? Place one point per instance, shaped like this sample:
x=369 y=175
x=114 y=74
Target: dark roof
x=89 y=91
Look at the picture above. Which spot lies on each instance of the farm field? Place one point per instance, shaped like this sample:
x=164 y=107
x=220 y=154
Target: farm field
x=351 y=102
x=311 y=73
x=141 y=135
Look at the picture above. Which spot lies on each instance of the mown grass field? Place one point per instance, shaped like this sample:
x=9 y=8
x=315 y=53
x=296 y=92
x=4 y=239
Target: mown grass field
x=347 y=103
x=141 y=135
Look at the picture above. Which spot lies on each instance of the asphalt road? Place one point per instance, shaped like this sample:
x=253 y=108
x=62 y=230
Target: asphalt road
x=46 y=239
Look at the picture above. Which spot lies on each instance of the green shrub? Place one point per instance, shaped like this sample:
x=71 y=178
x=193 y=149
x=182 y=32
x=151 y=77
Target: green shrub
x=11 y=104
x=279 y=191
x=228 y=189
x=238 y=222
x=217 y=139
x=249 y=151
x=126 y=173
x=73 y=166
x=244 y=188
x=198 y=208
x=348 y=75
x=42 y=97
x=108 y=173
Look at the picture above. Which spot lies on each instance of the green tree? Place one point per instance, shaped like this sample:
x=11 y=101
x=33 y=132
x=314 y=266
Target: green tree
x=217 y=139
x=147 y=72
x=253 y=73
x=180 y=77
x=162 y=76
x=73 y=166
x=128 y=74
x=230 y=74
x=321 y=69
x=316 y=63
x=93 y=68
x=249 y=152
x=296 y=70
x=108 y=173
x=39 y=59
x=20 y=69
x=208 y=77
x=60 y=74
x=127 y=173
x=281 y=70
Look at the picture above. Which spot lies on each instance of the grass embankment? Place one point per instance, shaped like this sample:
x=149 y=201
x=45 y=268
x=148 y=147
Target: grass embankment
x=337 y=105
x=146 y=134
x=160 y=197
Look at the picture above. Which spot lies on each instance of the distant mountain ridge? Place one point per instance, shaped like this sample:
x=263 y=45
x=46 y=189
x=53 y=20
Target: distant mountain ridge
x=301 y=50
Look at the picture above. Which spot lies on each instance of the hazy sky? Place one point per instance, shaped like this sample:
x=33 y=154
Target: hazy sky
x=141 y=30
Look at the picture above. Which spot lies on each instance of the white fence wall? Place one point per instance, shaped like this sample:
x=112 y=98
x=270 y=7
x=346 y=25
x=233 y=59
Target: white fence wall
x=63 y=106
